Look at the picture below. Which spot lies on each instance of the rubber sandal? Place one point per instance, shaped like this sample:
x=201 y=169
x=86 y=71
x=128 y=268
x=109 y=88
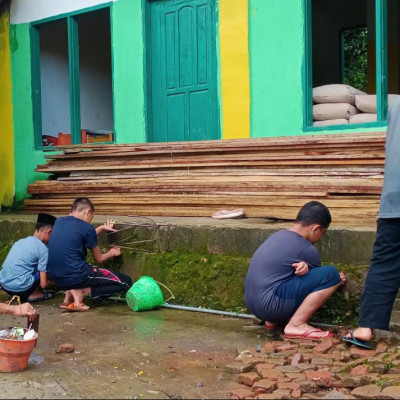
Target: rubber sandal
x=309 y=335
x=357 y=342
x=72 y=307
x=46 y=296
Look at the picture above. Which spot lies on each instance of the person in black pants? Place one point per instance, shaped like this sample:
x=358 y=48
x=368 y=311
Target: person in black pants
x=67 y=266
x=383 y=279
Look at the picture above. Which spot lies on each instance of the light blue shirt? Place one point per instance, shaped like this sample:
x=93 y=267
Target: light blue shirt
x=26 y=257
x=390 y=197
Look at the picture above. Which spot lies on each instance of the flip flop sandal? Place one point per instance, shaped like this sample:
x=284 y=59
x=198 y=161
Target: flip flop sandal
x=309 y=335
x=357 y=342
x=46 y=296
x=72 y=307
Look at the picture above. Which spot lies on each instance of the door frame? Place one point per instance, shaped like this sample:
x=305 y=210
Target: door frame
x=148 y=69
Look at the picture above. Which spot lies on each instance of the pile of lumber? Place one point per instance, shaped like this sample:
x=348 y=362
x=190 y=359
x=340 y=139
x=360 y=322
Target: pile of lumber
x=267 y=177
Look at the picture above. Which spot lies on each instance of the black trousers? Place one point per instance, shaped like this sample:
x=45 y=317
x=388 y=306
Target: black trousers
x=106 y=283
x=383 y=279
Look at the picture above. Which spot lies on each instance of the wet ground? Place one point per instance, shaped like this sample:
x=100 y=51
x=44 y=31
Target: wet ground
x=119 y=353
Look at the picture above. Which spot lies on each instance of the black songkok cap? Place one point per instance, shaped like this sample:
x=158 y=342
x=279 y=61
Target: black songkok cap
x=46 y=219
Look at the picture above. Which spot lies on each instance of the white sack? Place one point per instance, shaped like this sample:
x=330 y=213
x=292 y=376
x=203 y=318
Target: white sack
x=323 y=112
x=336 y=93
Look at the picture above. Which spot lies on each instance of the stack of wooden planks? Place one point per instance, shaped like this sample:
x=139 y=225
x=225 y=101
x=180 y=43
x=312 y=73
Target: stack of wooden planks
x=267 y=177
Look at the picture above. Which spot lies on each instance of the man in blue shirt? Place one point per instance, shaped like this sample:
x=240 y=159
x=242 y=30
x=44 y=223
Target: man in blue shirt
x=285 y=282
x=72 y=236
x=24 y=271
x=383 y=279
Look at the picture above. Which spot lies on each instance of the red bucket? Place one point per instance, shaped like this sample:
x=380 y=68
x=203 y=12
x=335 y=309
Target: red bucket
x=14 y=354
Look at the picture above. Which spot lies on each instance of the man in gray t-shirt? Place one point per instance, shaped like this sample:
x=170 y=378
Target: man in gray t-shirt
x=383 y=279
x=285 y=280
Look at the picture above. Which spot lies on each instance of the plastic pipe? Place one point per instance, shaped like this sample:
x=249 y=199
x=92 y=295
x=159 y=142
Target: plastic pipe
x=206 y=310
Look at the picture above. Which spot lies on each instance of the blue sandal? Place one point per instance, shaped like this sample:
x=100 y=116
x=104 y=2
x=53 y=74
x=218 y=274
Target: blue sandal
x=357 y=342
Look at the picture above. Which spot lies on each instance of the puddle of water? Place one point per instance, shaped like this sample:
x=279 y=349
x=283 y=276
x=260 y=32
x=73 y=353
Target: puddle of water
x=35 y=359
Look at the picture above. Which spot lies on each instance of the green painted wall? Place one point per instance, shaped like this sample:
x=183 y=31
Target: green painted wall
x=128 y=70
x=276 y=52
x=26 y=157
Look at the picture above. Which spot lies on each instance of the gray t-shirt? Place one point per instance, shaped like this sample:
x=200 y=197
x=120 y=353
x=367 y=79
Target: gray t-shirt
x=271 y=265
x=26 y=257
x=390 y=198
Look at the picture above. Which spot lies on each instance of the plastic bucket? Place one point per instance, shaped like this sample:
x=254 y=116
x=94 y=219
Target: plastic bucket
x=14 y=354
x=145 y=294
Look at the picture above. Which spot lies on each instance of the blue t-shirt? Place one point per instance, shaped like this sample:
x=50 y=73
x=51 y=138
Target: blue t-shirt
x=271 y=265
x=26 y=257
x=69 y=241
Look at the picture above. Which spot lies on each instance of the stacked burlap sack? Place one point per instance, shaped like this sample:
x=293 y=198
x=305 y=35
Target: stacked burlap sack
x=340 y=104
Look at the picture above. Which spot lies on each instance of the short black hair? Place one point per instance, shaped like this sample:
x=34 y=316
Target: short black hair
x=41 y=226
x=314 y=212
x=82 y=203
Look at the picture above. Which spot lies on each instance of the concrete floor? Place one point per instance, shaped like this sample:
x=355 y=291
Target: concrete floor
x=122 y=354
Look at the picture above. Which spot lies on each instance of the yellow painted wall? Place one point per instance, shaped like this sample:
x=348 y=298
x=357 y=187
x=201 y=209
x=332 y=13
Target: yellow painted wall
x=234 y=50
x=6 y=124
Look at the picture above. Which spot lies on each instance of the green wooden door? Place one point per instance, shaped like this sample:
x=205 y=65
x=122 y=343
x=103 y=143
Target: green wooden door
x=182 y=57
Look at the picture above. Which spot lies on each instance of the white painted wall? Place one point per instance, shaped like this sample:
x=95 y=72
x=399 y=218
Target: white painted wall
x=95 y=74
x=54 y=78
x=23 y=11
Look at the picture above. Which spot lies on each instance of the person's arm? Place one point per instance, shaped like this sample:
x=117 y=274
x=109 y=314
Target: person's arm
x=100 y=257
x=107 y=226
x=301 y=268
x=44 y=282
x=23 y=310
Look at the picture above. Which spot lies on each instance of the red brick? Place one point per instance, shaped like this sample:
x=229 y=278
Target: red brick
x=391 y=392
x=360 y=370
x=271 y=374
x=65 y=348
x=277 y=395
x=288 y=385
x=325 y=345
x=249 y=378
x=296 y=393
x=381 y=348
x=240 y=394
x=238 y=368
x=308 y=387
x=268 y=348
x=367 y=392
x=260 y=367
x=264 y=386
x=322 y=362
x=298 y=358
x=357 y=353
x=321 y=378
x=297 y=377
x=286 y=347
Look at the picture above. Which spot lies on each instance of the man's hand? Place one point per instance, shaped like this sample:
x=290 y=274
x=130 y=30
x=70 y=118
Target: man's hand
x=301 y=268
x=116 y=251
x=343 y=278
x=109 y=225
x=24 y=310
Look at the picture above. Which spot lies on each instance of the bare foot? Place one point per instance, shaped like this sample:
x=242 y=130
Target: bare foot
x=362 y=334
x=271 y=326
x=68 y=299
x=302 y=329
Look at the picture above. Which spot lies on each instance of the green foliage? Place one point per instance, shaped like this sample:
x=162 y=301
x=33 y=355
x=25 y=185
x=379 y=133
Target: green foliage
x=4 y=251
x=356 y=58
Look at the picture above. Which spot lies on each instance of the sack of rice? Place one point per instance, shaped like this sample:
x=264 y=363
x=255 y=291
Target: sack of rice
x=328 y=122
x=362 y=118
x=367 y=103
x=336 y=93
x=323 y=112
